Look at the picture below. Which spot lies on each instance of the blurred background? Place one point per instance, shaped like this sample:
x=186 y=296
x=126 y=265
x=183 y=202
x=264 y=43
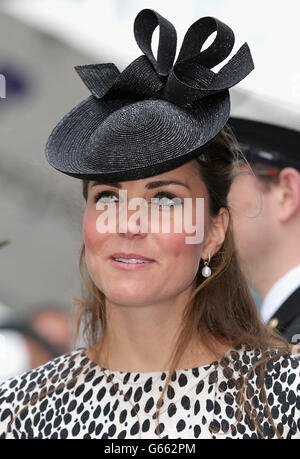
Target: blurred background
x=40 y=210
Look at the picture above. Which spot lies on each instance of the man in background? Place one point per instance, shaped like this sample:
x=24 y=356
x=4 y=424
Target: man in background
x=266 y=219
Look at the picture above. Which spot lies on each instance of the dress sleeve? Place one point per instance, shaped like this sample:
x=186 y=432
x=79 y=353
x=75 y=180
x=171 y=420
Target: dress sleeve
x=295 y=389
x=7 y=408
x=286 y=396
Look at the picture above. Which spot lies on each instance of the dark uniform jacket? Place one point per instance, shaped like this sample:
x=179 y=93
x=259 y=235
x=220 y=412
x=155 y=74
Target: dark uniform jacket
x=287 y=318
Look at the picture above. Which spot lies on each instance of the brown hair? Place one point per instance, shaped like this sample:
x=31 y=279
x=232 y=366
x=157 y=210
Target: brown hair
x=235 y=322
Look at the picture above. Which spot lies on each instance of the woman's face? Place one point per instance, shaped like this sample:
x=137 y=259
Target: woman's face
x=175 y=262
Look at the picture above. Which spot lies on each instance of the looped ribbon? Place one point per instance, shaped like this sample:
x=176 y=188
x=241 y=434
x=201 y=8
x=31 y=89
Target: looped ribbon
x=183 y=83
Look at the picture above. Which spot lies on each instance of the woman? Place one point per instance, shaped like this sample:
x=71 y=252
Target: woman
x=175 y=345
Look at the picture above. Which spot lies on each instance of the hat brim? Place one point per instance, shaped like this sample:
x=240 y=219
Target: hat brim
x=126 y=140
x=267 y=143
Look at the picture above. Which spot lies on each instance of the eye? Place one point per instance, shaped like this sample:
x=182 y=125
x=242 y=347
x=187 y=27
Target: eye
x=104 y=194
x=166 y=199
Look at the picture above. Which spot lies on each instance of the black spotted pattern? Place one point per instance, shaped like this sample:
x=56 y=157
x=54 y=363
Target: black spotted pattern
x=72 y=397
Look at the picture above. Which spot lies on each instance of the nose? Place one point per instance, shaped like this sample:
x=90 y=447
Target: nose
x=135 y=225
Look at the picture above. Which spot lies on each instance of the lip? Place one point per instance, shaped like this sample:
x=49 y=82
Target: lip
x=130 y=266
x=130 y=255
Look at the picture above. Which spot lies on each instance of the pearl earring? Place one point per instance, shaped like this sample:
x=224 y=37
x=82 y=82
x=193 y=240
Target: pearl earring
x=206 y=271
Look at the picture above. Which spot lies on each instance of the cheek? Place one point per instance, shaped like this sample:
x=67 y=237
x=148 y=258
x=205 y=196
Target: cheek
x=179 y=262
x=93 y=239
x=174 y=247
x=96 y=244
x=173 y=244
x=89 y=229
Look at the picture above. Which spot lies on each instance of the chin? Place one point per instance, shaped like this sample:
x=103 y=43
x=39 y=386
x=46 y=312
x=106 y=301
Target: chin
x=127 y=292
x=128 y=300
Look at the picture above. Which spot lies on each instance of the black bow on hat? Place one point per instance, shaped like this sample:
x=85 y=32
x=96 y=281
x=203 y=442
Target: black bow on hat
x=154 y=116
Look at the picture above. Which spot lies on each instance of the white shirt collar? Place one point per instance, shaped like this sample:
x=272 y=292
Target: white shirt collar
x=279 y=292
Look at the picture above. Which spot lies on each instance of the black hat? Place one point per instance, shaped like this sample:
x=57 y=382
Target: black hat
x=267 y=143
x=154 y=116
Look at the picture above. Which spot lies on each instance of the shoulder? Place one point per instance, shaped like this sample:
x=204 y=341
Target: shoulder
x=276 y=361
x=271 y=382
x=59 y=366
x=19 y=391
x=282 y=379
x=277 y=367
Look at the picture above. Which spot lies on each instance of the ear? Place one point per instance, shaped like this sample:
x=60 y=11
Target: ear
x=288 y=193
x=216 y=233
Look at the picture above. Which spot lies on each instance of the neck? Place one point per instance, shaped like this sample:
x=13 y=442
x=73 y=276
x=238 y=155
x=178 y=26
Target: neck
x=141 y=338
x=274 y=267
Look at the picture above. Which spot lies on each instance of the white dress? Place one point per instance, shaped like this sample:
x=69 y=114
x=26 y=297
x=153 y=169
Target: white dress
x=87 y=401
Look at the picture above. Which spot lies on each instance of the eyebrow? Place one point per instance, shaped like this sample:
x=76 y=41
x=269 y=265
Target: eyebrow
x=148 y=186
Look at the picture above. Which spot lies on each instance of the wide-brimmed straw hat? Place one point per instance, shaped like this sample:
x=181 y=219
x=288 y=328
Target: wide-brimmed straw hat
x=154 y=116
